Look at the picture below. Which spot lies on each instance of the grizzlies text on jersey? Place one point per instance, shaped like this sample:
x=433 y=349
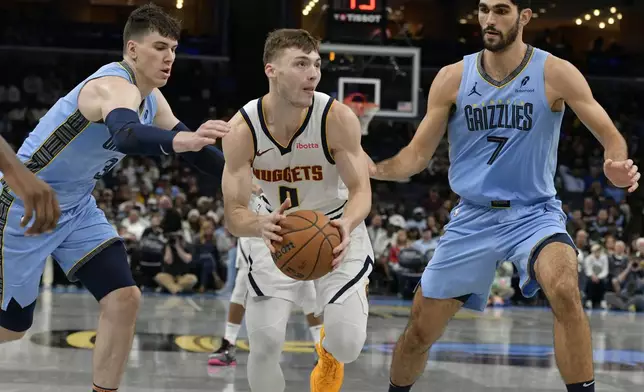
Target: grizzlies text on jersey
x=71 y=153
x=504 y=136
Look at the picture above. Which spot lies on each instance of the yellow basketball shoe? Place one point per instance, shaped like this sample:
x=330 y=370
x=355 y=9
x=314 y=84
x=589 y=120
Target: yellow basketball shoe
x=328 y=374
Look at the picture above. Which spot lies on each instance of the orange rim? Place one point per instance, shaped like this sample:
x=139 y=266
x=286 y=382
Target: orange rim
x=358 y=107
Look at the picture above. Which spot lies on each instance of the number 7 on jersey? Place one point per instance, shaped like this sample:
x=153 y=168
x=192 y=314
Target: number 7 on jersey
x=501 y=141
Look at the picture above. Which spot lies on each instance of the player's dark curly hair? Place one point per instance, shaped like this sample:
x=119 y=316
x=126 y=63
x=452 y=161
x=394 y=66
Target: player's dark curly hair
x=150 y=18
x=281 y=39
x=521 y=4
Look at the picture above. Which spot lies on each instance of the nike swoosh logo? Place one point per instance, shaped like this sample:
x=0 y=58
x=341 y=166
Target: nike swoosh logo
x=259 y=154
x=588 y=384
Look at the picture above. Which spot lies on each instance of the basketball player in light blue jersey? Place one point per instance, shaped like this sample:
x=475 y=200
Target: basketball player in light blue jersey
x=502 y=109
x=118 y=110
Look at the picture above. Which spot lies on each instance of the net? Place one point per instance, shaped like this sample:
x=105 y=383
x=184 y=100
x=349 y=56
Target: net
x=364 y=109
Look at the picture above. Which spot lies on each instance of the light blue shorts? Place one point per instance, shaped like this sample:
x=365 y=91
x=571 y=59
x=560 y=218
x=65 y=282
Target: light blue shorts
x=477 y=239
x=81 y=233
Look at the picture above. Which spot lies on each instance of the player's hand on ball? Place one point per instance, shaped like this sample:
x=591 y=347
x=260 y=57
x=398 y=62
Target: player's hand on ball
x=623 y=174
x=38 y=198
x=269 y=225
x=341 y=250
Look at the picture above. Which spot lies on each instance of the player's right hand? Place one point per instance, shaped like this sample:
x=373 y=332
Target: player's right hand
x=37 y=197
x=269 y=225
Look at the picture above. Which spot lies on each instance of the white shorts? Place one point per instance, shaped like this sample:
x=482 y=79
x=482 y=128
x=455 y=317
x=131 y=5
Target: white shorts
x=265 y=279
x=305 y=297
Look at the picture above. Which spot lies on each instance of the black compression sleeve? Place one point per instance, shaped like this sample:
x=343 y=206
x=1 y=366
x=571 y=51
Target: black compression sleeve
x=132 y=137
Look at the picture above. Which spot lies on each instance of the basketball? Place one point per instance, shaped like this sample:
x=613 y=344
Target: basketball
x=306 y=250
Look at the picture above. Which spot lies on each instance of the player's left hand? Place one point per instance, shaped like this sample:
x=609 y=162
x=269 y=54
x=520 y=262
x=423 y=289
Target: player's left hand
x=214 y=129
x=623 y=174
x=341 y=250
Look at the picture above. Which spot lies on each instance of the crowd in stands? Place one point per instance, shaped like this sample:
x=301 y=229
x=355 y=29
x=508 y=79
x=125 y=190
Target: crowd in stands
x=171 y=217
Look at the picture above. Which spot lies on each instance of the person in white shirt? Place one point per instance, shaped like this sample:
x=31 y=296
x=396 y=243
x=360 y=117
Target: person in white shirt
x=596 y=268
x=426 y=242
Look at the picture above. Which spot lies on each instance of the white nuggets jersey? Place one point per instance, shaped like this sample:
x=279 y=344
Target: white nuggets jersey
x=304 y=169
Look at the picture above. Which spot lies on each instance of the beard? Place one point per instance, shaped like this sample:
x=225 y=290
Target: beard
x=504 y=41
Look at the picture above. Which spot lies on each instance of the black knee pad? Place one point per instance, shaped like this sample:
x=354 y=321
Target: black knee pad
x=107 y=271
x=16 y=318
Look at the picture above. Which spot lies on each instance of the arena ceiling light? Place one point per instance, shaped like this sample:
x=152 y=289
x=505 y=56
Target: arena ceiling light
x=605 y=17
x=309 y=7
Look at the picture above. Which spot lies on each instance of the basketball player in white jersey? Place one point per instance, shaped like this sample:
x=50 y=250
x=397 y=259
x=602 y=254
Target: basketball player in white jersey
x=303 y=149
x=225 y=355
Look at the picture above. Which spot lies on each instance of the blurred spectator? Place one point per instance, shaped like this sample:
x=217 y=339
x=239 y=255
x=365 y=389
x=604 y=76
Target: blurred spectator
x=596 y=268
x=575 y=223
x=617 y=263
x=433 y=226
x=581 y=243
x=417 y=220
x=401 y=242
x=378 y=236
x=426 y=243
x=433 y=202
x=175 y=276
x=151 y=251
x=134 y=224
x=630 y=285
x=207 y=257
x=502 y=290
x=600 y=226
x=588 y=214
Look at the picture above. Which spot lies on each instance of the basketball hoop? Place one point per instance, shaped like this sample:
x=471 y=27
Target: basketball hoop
x=364 y=109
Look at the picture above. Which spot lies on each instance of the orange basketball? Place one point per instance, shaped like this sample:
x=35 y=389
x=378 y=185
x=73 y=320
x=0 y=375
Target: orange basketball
x=306 y=250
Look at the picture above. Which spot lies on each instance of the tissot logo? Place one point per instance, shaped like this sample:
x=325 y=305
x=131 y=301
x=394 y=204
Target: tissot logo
x=358 y=18
x=306 y=146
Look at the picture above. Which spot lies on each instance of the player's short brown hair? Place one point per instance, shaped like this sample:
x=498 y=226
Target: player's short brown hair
x=150 y=18
x=521 y=4
x=281 y=39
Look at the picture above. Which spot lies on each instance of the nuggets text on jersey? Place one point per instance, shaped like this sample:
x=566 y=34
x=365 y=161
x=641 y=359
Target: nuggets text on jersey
x=290 y=174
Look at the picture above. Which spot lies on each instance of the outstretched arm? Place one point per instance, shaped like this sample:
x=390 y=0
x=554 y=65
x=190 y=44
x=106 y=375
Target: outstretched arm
x=116 y=101
x=567 y=83
x=416 y=156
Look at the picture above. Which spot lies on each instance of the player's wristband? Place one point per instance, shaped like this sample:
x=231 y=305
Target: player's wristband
x=132 y=137
x=209 y=161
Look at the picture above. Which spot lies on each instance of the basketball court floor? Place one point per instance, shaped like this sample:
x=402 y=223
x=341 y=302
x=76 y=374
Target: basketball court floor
x=499 y=350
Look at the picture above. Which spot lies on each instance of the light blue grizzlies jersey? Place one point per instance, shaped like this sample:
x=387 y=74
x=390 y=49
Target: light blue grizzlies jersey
x=503 y=136
x=71 y=153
